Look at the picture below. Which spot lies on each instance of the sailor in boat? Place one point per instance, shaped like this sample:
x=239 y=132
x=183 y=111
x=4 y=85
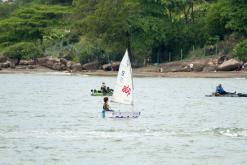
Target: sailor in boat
x=103 y=88
x=106 y=106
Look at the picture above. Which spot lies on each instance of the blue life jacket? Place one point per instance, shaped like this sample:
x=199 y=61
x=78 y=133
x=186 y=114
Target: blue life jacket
x=220 y=90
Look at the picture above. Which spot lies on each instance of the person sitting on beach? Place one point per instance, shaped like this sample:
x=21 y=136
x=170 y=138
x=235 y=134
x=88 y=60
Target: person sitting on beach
x=106 y=106
x=220 y=90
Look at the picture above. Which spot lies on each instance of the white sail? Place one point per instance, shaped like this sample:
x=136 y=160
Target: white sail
x=123 y=92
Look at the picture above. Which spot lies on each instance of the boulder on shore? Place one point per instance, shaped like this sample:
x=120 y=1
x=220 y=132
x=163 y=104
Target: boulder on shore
x=69 y=65
x=222 y=59
x=53 y=63
x=5 y=64
x=173 y=67
x=26 y=62
x=210 y=68
x=12 y=65
x=76 y=67
x=114 y=66
x=56 y=66
x=63 y=61
x=31 y=66
x=198 y=67
x=229 y=65
x=91 y=65
x=3 y=59
x=43 y=60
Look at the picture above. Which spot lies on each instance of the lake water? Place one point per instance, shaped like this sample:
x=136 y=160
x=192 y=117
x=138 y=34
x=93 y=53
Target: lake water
x=53 y=120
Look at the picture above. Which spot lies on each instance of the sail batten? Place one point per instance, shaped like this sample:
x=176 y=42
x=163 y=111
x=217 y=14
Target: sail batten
x=123 y=92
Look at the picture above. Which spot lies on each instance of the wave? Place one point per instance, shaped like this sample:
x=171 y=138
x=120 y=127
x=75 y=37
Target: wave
x=229 y=132
x=141 y=132
x=98 y=133
x=119 y=133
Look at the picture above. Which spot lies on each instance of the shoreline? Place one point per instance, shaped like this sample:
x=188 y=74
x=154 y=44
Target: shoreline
x=137 y=73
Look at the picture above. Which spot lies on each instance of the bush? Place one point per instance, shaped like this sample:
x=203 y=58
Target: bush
x=89 y=53
x=22 y=50
x=240 y=51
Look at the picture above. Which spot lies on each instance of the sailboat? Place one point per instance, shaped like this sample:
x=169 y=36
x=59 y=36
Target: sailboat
x=123 y=92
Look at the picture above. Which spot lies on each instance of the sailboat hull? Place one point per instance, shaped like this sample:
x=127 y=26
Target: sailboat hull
x=112 y=114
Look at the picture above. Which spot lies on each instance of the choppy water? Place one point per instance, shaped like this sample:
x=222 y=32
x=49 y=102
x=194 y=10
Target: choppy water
x=51 y=119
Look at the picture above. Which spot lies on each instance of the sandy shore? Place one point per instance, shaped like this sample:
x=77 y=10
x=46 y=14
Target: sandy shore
x=137 y=73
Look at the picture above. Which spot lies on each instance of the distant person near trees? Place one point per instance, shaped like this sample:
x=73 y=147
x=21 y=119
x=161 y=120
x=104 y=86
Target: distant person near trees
x=191 y=67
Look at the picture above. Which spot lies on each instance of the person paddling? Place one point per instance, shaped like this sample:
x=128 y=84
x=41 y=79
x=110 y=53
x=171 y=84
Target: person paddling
x=220 y=90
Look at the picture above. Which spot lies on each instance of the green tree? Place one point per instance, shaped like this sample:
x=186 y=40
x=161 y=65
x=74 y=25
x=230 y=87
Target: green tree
x=22 y=50
x=30 y=23
x=240 y=51
x=237 y=16
x=109 y=24
x=6 y=9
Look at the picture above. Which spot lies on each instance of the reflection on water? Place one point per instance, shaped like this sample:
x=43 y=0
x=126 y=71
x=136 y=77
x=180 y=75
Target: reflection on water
x=52 y=119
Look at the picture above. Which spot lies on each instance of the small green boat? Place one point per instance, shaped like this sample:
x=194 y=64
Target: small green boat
x=100 y=93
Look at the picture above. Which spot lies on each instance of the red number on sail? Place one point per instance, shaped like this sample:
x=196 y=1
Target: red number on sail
x=126 y=89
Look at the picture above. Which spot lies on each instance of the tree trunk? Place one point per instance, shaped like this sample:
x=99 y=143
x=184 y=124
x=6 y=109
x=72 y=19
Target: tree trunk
x=192 y=12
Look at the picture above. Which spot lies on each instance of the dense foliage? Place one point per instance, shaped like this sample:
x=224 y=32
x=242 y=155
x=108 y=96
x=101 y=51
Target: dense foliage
x=85 y=30
x=240 y=51
x=22 y=50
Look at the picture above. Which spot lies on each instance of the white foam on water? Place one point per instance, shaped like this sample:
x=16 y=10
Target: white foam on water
x=229 y=132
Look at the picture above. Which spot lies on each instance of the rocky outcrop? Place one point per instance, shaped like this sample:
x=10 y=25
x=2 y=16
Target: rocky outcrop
x=229 y=65
x=183 y=66
x=62 y=64
x=31 y=66
x=173 y=67
x=42 y=61
x=91 y=66
x=53 y=63
x=56 y=66
x=222 y=59
x=210 y=68
x=12 y=65
x=114 y=66
x=5 y=64
x=27 y=62
x=3 y=59
x=63 y=61
x=76 y=67
x=69 y=65
x=198 y=67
